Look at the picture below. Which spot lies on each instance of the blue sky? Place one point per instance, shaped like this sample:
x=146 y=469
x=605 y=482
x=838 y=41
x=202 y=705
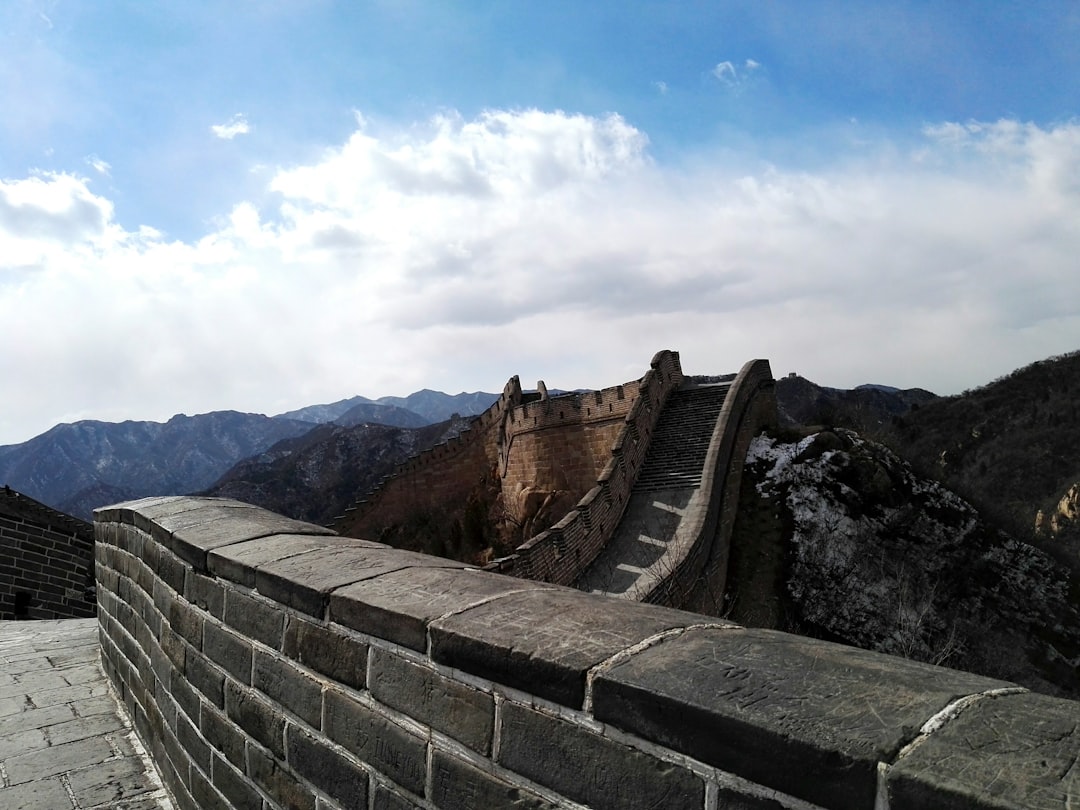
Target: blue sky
x=261 y=205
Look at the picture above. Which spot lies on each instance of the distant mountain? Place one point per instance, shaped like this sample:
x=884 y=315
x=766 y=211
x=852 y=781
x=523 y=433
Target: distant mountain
x=867 y=408
x=315 y=477
x=435 y=406
x=320 y=414
x=77 y=467
x=374 y=413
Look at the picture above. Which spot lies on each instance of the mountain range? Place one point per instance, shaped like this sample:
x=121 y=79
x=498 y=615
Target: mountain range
x=79 y=466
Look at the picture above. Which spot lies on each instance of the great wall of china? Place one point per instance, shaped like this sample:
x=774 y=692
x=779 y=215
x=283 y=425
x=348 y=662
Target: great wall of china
x=269 y=663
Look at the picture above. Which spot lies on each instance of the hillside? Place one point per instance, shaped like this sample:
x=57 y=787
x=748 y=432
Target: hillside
x=1012 y=447
x=315 y=477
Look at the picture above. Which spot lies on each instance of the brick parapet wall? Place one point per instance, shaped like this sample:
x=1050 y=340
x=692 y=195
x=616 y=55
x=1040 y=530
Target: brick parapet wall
x=561 y=553
x=46 y=562
x=268 y=664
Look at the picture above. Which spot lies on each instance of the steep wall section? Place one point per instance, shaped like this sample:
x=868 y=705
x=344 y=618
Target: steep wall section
x=560 y=553
x=693 y=572
x=440 y=477
x=46 y=560
x=268 y=665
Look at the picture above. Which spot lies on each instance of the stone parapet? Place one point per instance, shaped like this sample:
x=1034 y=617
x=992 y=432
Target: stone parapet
x=270 y=664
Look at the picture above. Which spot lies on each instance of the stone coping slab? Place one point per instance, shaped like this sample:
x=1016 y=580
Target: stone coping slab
x=239 y=562
x=399 y=606
x=304 y=581
x=1012 y=751
x=546 y=641
x=808 y=717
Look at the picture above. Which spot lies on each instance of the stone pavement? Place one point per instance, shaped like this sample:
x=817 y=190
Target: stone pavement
x=64 y=742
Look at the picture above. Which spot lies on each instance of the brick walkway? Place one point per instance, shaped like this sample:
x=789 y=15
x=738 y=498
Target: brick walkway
x=64 y=743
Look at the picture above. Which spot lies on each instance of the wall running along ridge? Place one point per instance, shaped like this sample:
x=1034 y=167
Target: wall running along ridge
x=267 y=663
x=590 y=444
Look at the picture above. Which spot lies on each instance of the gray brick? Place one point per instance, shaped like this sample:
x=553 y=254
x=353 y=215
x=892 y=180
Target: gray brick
x=228 y=650
x=187 y=621
x=386 y=799
x=387 y=747
x=234 y=786
x=205 y=592
x=254 y=619
x=193 y=743
x=205 y=677
x=257 y=716
x=204 y=794
x=457 y=785
x=449 y=706
x=333 y=654
x=590 y=769
x=278 y=783
x=222 y=735
x=288 y=686
x=335 y=775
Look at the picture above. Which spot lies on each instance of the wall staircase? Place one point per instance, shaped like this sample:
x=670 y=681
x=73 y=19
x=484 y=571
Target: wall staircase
x=667 y=483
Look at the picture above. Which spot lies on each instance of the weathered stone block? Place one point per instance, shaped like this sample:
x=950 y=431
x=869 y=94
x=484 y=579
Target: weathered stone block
x=206 y=593
x=193 y=743
x=230 y=651
x=591 y=769
x=338 y=777
x=806 y=717
x=288 y=686
x=456 y=785
x=254 y=619
x=545 y=641
x=205 y=677
x=222 y=735
x=1013 y=751
x=257 y=716
x=322 y=649
x=282 y=786
x=234 y=786
x=194 y=533
x=204 y=794
x=398 y=606
x=386 y=799
x=446 y=705
x=187 y=621
x=305 y=580
x=239 y=562
x=387 y=747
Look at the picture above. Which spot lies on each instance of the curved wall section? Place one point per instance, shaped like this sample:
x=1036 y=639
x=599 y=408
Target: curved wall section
x=268 y=663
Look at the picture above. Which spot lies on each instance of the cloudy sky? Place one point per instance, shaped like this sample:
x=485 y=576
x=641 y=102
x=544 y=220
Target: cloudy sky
x=263 y=204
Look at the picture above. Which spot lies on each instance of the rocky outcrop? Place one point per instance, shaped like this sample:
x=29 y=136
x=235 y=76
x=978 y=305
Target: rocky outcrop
x=1063 y=517
x=879 y=557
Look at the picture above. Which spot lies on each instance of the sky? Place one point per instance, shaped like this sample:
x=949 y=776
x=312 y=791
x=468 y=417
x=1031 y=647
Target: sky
x=261 y=205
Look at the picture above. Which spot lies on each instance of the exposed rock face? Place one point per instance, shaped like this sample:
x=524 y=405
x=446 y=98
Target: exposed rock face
x=883 y=559
x=1062 y=518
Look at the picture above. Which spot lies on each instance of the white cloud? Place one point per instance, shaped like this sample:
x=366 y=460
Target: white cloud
x=725 y=72
x=456 y=253
x=98 y=165
x=729 y=74
x=237 y=125
x=661 y=87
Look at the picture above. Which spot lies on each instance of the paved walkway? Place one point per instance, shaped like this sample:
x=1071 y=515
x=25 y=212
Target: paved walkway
x=64 y=743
